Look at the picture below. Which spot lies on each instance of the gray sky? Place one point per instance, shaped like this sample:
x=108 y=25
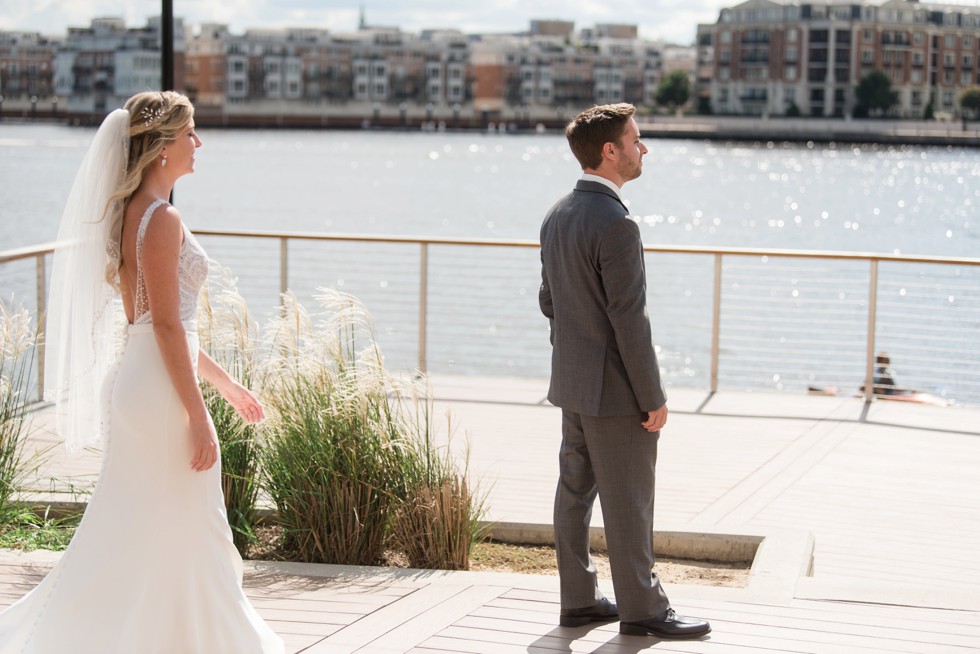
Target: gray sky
x=673 y=20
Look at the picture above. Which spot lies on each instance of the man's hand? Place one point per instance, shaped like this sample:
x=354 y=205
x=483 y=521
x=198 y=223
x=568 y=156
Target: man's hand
x=656 y=419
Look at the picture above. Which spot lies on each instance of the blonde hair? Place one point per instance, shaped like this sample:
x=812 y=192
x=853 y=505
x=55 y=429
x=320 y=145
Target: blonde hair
x=156 y=118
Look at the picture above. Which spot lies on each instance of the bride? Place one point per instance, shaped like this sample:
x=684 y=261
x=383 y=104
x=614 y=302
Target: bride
x=152 y=567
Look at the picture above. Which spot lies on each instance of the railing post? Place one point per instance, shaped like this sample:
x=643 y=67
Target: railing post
x=423 y=303
x=42 y=310
x=716 y=325
x=869 y=363
x=283 y=267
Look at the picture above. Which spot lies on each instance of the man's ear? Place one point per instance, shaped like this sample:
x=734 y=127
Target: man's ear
x=609 y=150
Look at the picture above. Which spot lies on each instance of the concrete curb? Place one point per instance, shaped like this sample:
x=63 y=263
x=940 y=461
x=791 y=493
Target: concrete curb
x=779 y=559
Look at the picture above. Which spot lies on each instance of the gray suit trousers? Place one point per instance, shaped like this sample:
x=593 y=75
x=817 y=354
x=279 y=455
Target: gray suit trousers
x=616 y=458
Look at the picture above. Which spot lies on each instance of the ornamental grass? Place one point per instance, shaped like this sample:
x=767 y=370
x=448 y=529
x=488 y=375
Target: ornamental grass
x=17 y=340
x=228 y=333
x=349 y=450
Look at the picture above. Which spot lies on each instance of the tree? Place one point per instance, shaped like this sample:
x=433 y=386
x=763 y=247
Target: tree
x=674 y=90
x=874 y=94
x=970 y=100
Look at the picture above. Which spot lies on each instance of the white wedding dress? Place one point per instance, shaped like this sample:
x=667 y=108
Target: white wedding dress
x=152 y=568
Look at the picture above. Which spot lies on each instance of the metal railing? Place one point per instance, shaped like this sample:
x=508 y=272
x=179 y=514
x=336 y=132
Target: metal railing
x=741 y=332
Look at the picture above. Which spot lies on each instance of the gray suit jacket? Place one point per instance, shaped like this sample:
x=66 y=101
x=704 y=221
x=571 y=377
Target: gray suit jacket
x=593 y=291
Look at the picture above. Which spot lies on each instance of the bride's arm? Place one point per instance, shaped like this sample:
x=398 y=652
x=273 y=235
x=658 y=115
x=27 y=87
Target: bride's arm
x=242 y=399
x=160 y=259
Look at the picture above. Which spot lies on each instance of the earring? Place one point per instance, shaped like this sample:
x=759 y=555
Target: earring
x=163 y=162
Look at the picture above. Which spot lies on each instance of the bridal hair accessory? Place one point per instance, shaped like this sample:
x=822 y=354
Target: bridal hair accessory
x=80 y=330
x=151 y=115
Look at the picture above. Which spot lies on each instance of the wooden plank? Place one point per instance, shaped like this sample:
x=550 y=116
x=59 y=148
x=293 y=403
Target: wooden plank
x=380 y=622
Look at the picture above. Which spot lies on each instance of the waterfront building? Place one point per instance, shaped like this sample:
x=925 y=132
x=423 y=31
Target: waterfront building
x=98 y=67
x=26 y=63
x=549 y=72
x=373 y=75
x=768 y=57
x=297 y=72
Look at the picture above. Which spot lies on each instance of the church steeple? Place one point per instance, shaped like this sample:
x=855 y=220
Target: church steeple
x=362 y=24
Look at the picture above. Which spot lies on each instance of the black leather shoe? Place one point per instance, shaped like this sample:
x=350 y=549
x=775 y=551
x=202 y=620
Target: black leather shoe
x=668 y=625
x=601 y=611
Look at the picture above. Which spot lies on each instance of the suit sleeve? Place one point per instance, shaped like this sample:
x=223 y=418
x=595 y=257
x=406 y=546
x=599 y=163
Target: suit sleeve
x=624 y=281
x=544 y=300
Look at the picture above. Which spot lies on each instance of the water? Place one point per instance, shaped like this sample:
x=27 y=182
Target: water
x=482 y=305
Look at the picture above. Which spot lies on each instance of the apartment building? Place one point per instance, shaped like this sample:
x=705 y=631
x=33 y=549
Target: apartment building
x=550 y=71
x=764 y=57
x=26 y=79
x=313 y=70
x=98 y=67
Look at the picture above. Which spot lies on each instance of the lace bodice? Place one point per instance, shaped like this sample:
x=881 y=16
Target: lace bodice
x=192 y=271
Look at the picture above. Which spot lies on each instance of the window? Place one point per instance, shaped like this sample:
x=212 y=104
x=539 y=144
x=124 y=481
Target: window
x=918 y=38
x=867 y=56
x=726 y=37
x=725 y=55
x=917 y=76
x=948 y=59
x=791 y=54
x=792 y=35
x=967 y=61
x=948 y=77
x=916 y=98
x=867 y=35
x=790 y=96
x=917 y=59
x=950 y=41
x=948 y=98
x=790 y=74
x=724 y=74
x=967 y=41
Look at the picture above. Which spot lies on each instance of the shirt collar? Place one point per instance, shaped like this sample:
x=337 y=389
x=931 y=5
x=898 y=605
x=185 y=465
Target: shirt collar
x=589 y=177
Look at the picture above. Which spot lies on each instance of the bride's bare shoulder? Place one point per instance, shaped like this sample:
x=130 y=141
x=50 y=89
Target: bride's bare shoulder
x=164 y=217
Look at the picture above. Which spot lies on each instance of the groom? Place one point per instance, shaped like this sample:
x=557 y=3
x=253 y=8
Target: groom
x=605 y=378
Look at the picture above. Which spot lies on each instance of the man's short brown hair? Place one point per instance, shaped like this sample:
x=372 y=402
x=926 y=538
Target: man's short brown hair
x=595 y=127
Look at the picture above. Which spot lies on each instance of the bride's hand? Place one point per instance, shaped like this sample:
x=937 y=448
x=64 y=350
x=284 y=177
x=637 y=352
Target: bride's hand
x=204 y=442
x=245 y=403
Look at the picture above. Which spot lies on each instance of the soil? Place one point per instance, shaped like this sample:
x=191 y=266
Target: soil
x=489 y=556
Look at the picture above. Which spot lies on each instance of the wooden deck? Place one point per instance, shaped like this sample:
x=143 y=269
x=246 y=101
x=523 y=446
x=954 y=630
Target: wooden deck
x=890 y=496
